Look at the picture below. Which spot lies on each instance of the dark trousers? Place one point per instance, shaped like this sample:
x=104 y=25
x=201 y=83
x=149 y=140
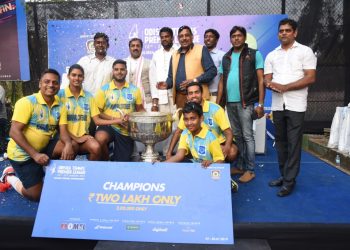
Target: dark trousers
x=3 y=135
x=289 y=132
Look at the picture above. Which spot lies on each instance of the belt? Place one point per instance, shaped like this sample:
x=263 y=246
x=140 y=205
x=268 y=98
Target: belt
x=214 y=93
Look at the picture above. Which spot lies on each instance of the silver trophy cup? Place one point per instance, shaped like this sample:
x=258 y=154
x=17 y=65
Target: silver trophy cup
x=150 y=128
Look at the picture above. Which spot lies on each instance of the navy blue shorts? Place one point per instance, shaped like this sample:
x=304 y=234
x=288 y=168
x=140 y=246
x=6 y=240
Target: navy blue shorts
x=123 y=145
x=48 y=150
x=29 y=172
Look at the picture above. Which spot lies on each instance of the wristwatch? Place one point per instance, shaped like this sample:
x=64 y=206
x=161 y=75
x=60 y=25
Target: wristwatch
x=260 y=105
x=195 y=80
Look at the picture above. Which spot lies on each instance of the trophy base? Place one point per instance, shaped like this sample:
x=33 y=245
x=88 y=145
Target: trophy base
x=150 y=157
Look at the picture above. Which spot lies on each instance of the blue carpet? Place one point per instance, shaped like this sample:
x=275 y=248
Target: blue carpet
x=320 y=196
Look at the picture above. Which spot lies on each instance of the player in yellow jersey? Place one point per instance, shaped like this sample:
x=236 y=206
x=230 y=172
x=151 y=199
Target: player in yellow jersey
x=214 y=118
x=35 y=121
x=81 y=109
x=117 y=99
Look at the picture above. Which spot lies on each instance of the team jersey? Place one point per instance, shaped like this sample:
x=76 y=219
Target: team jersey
x=41 y=120
x=214 y=118
x=203 y=146
x=79 y=111
x=113 y=101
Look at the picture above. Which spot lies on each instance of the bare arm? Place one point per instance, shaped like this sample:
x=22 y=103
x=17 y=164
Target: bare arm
x=173 y=142
x=67 y=152
x=308 y=79
x=16 y=133
x=140 y=108
x=179 y=157
x=260 y=110
x=220 y=89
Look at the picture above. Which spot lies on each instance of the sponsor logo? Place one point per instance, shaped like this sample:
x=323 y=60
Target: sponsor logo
x=73 y=226
x=132 y=227
x=215 y=174
x=210 y=122
x=201 y=150
x=99 y=227
x=160 y=229
x=90 y=46
x=129 y=97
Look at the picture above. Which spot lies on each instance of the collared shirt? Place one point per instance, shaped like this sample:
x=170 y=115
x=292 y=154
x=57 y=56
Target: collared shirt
x=158 y=72
x=203 y=146
x=79 y=111
x=41 y=123
x=97 y=72
x=214 y=118
x=217 y=56
x=113 y=101
x=207 y=64
x=288 y=66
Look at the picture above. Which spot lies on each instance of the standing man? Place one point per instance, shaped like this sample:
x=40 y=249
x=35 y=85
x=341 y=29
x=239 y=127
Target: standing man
x=33 y=142
x=116 y=100
x=97 y=66
x=3 y=120
x=190 y=63
x=211 y=38
x=159 y=72
x=241 y=85
x=289 y=70
x=138 y=73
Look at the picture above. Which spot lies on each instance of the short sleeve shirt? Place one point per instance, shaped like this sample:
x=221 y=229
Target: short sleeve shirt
x=288 y=66
x=203 y=146
x=41 y=123
x=113 y=101
x=214 y=118
x=233 y=92
x=79 y=111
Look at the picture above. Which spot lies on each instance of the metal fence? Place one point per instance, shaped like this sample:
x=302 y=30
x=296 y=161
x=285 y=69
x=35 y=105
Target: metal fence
x=321 y=26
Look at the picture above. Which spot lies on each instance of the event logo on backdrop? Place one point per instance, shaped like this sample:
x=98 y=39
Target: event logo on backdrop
x=70 y=40
x=14 y=59
x=136 y=201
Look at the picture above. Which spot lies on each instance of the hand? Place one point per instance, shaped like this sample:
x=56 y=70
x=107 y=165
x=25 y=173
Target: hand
x=68 y=152
x=259 y=111
x=168 y=155
x=206 y=163
x=84 y=138
x=41 y=159
x=162 y=85
x=154 y=109
x=277 y=87
x=225 y=149
x=184 y=84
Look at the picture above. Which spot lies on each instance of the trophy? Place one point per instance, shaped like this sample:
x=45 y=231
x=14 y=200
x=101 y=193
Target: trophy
x=150 y=128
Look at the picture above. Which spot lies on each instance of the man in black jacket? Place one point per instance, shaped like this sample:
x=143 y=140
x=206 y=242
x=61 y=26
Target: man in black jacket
x=240 y=86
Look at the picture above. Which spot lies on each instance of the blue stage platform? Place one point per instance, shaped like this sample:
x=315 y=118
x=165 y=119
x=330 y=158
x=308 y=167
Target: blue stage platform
x=315 y=216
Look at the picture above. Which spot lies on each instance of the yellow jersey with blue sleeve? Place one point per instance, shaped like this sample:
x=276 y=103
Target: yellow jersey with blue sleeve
x=79 y=110
x=112 y=100
x=42 y=123
x=214 y=118
x=203 y=146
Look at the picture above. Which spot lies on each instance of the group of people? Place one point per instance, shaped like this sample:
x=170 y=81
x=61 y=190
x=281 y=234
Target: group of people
x=202 y=81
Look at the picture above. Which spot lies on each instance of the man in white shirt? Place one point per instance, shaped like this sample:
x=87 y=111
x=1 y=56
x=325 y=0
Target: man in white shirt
x=289 y=70
x=159 y=72
x=211 y=38
x=97 y=66
x=138 y=72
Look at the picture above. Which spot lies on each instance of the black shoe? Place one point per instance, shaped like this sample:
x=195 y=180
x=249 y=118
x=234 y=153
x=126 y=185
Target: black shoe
x=285 y=190
x=276 y=183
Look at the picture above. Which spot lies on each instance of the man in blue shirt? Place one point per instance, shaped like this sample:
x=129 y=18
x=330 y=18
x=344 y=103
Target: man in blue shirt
x=240 y=86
